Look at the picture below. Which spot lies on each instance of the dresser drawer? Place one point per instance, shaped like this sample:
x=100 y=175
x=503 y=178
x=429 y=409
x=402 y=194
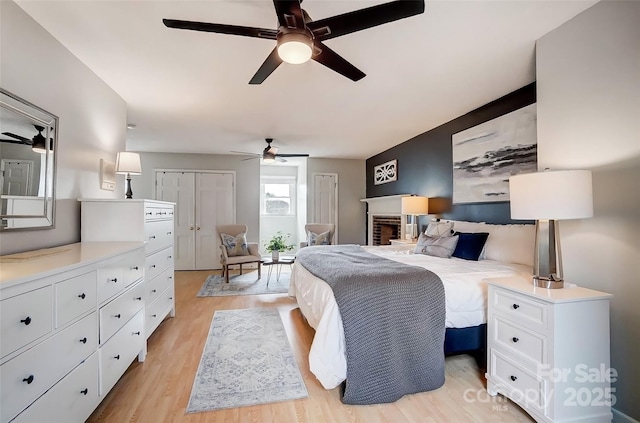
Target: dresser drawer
x=133 y=268
x=25 y=318
x=156 y=311
x=75 y=297
x=73 y=399
x=118 y=353
x=110 y=281
x=157 y=285
x=510 y=337
x=519 y=308
x=158 y=235
x=157 y=262
x=118 y=312
x=157 y=212
x=29 y=375
x=521 y=385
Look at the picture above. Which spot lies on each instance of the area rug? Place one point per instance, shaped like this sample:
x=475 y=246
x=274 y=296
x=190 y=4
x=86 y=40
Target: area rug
x=246 y=361
x=246 y=284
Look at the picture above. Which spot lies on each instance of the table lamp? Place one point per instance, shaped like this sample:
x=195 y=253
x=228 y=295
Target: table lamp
x=128 y=163
x=547 y=197
x=415 y=206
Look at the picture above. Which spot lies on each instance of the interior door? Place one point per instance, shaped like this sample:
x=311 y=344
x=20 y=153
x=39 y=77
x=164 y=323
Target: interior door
x=325 y=200
x=16 y=177
x=214 y=206
x=179 y=187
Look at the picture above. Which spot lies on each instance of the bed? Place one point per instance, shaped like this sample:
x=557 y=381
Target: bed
x=508 y=253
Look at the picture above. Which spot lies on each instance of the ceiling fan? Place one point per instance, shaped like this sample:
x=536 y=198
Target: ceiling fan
x=37 y=143
x=270 y=154
x=299 y=38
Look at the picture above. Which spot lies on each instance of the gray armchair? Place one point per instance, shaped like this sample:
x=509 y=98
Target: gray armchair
x=318 y=228
x=227 y=262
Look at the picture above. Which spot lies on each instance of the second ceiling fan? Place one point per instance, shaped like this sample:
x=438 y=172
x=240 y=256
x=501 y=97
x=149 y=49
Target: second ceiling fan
x=299 y=38
x=270 y=153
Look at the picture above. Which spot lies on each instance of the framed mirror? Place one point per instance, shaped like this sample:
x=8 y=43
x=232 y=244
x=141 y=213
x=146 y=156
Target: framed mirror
x=28 y=144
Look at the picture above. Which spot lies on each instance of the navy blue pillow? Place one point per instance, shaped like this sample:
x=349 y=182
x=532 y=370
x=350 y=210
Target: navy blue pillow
x=470 y=245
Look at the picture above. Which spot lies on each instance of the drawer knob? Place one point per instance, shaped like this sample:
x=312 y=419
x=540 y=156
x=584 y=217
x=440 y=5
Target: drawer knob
x=26 y=321
x=153 y=266
x=170 y=298
x=515 y=339
x=154 y=315
x=514 y=378
x=138 y=298
x=152 y=237
x=515 y=306
x=148 y=213
x=117 y=357
x=28 y=379
x=82 y=296
x=170 y=277
x=154 y=291
x=84 y=340
x=169 y=257
x=168 y=233
x=114 y=280
x=134 y=268
x=136 y=333
x=85 y=391
x=117 y=316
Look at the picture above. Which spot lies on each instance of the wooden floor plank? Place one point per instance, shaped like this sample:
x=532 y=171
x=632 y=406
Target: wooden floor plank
x=158 y=390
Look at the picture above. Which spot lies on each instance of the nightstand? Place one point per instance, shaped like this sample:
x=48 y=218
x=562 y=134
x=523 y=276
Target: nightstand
x=403 y=242
x=548 y=350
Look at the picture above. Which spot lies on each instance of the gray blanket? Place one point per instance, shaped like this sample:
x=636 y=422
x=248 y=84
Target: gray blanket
x=394 y=322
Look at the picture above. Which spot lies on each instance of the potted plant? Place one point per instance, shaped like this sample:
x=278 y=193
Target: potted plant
x=277 y=243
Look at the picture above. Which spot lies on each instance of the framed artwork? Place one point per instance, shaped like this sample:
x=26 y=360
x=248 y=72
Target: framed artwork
x=485 y=156
x=386 y=172
x=107 y=175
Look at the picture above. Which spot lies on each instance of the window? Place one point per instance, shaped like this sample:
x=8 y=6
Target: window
x=278 y=197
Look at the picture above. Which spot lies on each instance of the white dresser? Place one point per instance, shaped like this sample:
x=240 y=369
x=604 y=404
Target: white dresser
x=548 y=350
x=72 y=321
x=139 y=220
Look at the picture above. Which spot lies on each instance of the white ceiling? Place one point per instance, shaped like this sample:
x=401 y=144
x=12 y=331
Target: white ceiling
x=188 y=91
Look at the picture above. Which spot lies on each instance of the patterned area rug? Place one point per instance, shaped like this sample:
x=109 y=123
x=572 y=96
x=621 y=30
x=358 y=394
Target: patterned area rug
x=247 y=360
x=247 y=284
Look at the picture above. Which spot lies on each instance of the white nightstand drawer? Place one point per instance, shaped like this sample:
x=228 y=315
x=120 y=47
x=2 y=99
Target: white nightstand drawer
x=118 y=312
x=521 y=385
x=511 y=337
x=73 y=399
x=157 y=285
x=518 y=307
x=156 y=312
x=118 y=353
x=26 y=377
x=157 y=262
x=25 y=318
x=74 y=297
x=110 y=281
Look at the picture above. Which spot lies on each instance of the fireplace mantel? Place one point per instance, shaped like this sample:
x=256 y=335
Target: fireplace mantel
x=388 y=205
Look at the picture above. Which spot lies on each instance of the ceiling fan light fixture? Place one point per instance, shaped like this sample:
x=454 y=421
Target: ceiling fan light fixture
x=294 y=47
x=268 y=159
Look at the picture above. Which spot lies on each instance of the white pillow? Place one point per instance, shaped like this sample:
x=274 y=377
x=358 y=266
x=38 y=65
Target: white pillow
x=436 y=246
x=438 y=228
x=510 y=243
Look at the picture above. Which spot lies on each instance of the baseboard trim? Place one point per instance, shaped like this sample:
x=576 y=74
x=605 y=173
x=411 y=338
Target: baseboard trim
x=620 y=417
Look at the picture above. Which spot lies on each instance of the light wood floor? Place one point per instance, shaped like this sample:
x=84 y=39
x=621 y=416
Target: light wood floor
x=158 y=390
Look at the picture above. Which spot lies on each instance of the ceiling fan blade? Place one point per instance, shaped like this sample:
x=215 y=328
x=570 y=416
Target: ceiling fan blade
x=244 y=152
x=364 y=18
x=289 y=13
x=245 y=31
x=292 y=155
x=15 y=141
x=251 y=158
x=280 y=159
x=269 y=65
x=335 y=62
x=18 y=137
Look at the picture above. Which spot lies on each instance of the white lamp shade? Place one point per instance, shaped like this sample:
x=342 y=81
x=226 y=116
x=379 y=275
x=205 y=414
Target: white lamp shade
x=565 y=194
x=415 y=205
x=127 y=162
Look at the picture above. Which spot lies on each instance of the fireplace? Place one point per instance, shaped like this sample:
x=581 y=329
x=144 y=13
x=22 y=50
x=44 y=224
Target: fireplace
x=386 y=228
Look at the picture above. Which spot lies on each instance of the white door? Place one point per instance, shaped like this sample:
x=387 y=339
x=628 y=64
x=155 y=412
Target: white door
x=16 y=176
x=214 y=206
x=203 y=201
x=325 y=200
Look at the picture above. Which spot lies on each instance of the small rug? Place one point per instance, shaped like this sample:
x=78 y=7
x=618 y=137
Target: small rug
x=246 y=361
x=246 y=284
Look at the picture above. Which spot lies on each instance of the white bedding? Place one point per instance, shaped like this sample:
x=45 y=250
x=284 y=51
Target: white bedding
x=465 y=293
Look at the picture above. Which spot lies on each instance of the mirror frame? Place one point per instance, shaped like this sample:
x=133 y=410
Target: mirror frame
x=36 y=116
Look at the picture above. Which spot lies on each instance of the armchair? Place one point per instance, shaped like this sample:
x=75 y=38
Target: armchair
x=227 y=261
x=319 y=228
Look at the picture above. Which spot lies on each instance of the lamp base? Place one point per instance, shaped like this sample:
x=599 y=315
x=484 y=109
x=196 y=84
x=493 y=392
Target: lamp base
x=129 y=193
x=547 y=283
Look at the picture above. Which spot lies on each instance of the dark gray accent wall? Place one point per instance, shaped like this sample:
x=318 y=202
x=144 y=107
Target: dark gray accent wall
x=425 y=163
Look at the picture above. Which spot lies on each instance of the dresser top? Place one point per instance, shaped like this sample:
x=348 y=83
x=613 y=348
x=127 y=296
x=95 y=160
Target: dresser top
x=126 y=200
x=21 y=267
x=567 y=294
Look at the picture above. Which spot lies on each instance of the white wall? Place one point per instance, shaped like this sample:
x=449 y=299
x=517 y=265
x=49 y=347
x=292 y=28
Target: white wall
x=351 y=188
x=92 y=120
x=588 y=79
